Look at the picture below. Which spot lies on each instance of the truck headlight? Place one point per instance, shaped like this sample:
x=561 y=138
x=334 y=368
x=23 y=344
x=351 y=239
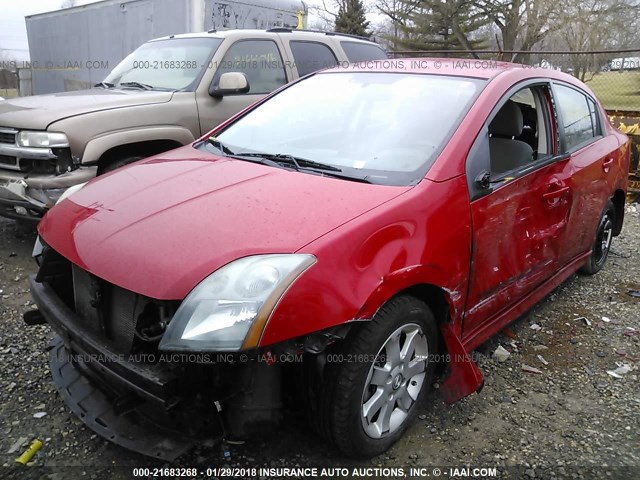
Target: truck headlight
x=42 y=139
x=229 y=309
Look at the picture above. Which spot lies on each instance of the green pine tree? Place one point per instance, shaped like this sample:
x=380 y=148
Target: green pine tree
x=351 y=18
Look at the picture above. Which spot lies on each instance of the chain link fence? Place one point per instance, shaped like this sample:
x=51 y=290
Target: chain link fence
x=614 y=75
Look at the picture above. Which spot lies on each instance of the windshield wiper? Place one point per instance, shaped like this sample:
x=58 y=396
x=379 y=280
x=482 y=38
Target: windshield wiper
x=277 y=160
x=220 y=146
x=297 y=162
x=104 y=85
x=304 y=164
x=143 y=86
x=227 y=152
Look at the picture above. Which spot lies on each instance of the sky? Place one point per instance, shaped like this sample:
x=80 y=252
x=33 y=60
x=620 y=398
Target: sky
x=13 y=32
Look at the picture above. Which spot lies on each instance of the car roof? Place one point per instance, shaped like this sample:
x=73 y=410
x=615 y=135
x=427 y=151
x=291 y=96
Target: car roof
x=470 y=68
x=258 y=33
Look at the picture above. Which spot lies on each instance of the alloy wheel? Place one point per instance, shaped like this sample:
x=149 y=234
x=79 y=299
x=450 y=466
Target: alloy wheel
x=394 y=381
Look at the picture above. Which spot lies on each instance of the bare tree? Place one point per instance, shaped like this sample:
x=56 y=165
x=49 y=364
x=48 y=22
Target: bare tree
x=68 y=3
x=580 y=33
x=522 y=23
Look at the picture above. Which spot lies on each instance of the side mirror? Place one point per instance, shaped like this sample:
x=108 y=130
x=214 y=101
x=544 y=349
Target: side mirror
x=229 y=83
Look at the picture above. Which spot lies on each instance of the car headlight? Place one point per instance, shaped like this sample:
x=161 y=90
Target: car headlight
x=229 y=309
x=42 y=139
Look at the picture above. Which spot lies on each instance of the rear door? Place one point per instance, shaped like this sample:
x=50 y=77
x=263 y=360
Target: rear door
x=521 y=198
x=592 y=156
x=309 y=56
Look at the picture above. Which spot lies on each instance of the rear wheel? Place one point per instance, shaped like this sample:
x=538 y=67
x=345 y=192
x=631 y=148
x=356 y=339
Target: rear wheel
x=602 y=244
x=373 y=388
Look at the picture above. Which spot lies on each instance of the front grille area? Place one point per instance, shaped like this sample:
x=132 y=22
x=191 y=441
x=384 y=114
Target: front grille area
x=124 y=321
x=9 y=138
x=37 y=166
x=106 y=310
x=10 y=161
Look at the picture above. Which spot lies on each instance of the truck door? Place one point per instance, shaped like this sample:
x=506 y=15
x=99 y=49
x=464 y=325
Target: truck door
x=261 y=60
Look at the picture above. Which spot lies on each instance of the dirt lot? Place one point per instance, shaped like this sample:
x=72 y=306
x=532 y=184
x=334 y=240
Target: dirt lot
x=555 y=424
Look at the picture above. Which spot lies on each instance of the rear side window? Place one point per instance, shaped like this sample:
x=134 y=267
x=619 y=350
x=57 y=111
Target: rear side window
x=360 y=52
x=595 y=118
x=311 y=56
x=577 y=116
x=259 y=60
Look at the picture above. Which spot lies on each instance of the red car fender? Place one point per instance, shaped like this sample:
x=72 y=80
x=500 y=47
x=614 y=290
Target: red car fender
x=431 y=276
x=463 y=375
x=388 y=250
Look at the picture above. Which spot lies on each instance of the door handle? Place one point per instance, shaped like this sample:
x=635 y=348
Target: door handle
x=554 y=195
x=606 y=165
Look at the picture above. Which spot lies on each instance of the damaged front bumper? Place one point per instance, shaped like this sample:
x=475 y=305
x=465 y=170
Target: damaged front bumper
x=141 y=409
x=29 y=196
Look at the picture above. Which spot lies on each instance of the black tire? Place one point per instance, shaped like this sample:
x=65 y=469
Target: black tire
x=602 y=241
x=121 y=162
x=347 y=387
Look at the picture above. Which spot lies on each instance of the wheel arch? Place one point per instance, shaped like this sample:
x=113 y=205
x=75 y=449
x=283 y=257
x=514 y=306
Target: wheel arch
x=426 y=282
x=145 y=141
x=435 y=297
x=145 y=148
x=461 y=375
x=618 y=200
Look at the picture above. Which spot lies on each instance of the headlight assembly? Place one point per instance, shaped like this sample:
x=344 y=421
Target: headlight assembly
x=229 y=309
x=42 y=139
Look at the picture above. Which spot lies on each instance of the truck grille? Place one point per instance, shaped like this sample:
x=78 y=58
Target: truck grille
x=7 y=137
x=9 y=161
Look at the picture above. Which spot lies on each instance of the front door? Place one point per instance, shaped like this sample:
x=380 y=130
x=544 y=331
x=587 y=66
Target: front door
x=520 y=224
x=261 y=61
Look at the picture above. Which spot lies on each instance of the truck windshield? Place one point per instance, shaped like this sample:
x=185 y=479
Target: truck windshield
x=172 y=64
x=384 y=128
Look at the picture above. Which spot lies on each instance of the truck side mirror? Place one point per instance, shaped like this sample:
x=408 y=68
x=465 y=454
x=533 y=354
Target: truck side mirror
x=229 y=83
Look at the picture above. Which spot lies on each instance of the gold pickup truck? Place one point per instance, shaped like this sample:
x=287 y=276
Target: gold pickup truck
x=164 y=95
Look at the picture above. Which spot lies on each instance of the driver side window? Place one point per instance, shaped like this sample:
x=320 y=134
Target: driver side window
x=519 y=131
x=259 y=60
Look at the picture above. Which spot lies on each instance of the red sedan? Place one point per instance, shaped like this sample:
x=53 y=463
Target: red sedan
x=340 y=238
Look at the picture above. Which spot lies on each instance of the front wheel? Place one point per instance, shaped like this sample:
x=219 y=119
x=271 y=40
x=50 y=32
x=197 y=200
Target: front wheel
x=115 y=164
x=382 y=373
x=602 y=244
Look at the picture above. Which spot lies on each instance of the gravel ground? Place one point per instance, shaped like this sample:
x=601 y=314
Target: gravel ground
x=553 y=424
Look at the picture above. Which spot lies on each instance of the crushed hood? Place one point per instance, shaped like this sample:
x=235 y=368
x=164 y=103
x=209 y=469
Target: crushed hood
x=160 y=226
x=40 y=111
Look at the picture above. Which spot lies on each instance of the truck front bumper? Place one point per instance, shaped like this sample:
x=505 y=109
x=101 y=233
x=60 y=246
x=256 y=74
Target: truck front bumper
x=29 y=197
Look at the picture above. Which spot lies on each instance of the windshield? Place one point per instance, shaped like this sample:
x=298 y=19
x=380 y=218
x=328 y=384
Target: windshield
x=383 y=128
x=173 y=64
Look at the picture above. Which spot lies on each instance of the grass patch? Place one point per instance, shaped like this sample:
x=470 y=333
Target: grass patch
x=617 y=90
x=8 y=93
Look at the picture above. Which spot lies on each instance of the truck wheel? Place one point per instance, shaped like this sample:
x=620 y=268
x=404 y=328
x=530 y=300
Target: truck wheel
x=602 y=244
x=375 y=385
x=115 y=164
